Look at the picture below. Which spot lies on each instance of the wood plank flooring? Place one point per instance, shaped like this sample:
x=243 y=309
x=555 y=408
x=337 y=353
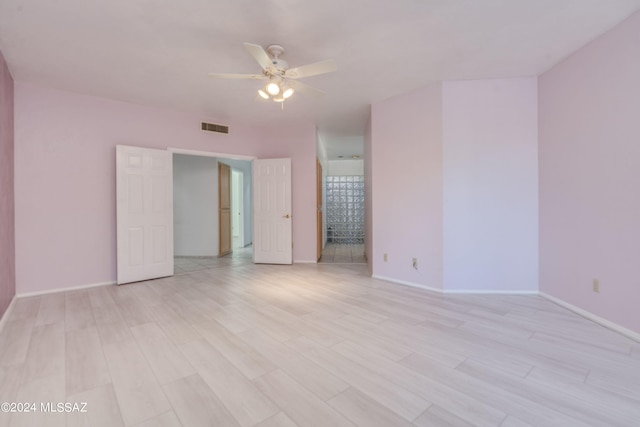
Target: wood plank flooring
x=311 y=345
x=187 y=264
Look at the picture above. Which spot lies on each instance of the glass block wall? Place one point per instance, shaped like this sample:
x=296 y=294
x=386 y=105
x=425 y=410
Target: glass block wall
x=345 y=209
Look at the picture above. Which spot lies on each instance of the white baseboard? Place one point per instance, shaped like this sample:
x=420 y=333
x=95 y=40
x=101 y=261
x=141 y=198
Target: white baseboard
x=402 y=282
x=55 y=291
x=588 y=315
x=456 y=291
x=304 y=261
x=486 y=292
x=584 y=313
x=7 y=313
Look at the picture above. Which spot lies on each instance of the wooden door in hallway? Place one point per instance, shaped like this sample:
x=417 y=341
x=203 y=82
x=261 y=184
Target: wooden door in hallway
x=224 y=209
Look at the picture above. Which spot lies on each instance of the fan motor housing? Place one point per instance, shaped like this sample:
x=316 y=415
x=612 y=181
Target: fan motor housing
x=280 y=64
x=275 y=50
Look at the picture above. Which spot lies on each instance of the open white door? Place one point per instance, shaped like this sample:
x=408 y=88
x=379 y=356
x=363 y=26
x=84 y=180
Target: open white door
x=237 y=209
x=144 y=213
x=272 y=234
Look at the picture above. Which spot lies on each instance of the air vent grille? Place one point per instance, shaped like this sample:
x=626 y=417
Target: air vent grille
x=210 y=127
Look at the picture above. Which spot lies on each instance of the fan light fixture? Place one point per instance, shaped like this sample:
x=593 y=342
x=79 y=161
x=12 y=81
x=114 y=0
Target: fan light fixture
x=276 y=89
x=280 y=79
x=287 y=92
x=273 y=88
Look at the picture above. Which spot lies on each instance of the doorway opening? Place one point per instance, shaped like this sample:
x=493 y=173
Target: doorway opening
x=198 y=212
x=344 y=210
x=160 y=218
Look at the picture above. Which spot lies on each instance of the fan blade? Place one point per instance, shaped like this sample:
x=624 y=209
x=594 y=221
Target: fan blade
x=259 y=54
x=314 y=69
x=237 y=76
x=305 y=89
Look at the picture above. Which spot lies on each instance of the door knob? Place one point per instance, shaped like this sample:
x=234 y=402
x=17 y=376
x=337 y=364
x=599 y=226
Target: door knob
x=286 y=216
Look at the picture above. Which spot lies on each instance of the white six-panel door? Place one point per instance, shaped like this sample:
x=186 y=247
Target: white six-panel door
x=272 y=235
x=144 y=213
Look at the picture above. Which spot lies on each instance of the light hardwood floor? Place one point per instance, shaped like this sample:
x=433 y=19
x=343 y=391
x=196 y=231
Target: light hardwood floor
x=311 y=345
x=188 y=264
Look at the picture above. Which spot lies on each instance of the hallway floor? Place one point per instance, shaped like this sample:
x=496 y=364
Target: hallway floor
x=343 y=253
x=187 y=264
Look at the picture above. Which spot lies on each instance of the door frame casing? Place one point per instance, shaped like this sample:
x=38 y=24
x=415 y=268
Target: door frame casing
x=237 y=209
x=211 y=154
x=320 y=209
x=224 y=210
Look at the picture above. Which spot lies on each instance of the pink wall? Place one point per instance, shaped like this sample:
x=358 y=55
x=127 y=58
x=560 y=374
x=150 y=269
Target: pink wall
x=590 y=176
x=7 y=236
x=65 y=178
x=454 y=184
x=490 y=163
x=406 y=187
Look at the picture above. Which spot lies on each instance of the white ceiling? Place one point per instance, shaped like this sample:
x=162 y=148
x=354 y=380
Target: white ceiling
x=158 y=52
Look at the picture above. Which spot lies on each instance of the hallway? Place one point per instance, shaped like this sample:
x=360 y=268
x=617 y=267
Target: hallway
x=343 y=253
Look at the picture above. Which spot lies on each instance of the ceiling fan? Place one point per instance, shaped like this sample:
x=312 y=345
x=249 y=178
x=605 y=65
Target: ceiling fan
x=282 y=80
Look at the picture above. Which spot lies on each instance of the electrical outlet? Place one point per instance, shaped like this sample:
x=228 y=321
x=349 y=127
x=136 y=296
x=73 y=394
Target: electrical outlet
x=385 y=257
x=596 y=285
x=415 y=263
